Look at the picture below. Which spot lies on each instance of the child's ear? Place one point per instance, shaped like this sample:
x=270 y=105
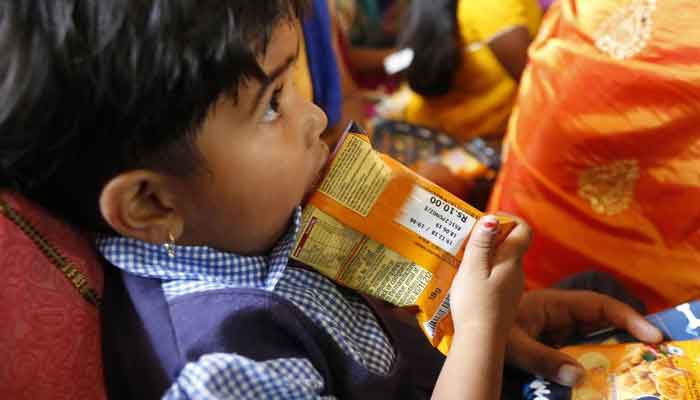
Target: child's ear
x=142 y=204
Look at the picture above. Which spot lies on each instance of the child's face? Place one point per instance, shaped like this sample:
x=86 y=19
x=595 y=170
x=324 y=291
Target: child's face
x=261 y=155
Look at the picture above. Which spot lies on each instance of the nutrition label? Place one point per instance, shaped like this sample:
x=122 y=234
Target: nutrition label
x=436 y=220
x=354 y=260
x=383 y=273
x=357 y=176
x=325 y=243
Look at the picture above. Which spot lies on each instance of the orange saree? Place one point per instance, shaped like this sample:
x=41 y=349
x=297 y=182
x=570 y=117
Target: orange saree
x=602 y=156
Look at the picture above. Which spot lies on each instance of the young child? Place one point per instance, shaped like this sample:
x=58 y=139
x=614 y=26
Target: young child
x=171 y=129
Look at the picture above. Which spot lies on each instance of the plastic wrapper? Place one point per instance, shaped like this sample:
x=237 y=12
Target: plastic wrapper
x=617 y=368
x=633 y=371
x=374 y=225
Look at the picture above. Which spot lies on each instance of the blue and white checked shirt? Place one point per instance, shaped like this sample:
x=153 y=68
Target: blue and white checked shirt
x=226 y=375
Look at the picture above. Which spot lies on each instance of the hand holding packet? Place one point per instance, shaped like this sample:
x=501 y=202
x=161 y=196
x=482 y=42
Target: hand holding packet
x=633 y=371
x=374 y=225
x=618 y=368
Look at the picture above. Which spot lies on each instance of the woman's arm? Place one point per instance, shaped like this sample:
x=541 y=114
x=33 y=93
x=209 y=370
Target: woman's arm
x=367 y=59
x=510 y=48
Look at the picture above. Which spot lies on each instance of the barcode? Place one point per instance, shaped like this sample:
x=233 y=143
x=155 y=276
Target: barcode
x=431 y=326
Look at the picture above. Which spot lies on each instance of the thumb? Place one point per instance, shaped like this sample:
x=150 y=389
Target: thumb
x=477 y=254
x=530 y=355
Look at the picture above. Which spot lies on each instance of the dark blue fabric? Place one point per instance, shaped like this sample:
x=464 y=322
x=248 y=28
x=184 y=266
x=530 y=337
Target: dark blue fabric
x=147 y=341
x=325 y=76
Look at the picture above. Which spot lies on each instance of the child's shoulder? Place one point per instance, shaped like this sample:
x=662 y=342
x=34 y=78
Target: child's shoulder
x=236 y=320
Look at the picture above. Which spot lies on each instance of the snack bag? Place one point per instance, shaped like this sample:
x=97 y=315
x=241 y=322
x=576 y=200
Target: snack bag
x=603 y=350
x=374 y=225
x=668 y=371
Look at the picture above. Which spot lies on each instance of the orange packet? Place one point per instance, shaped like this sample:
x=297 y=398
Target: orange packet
x=666 y=371
x=374 y=225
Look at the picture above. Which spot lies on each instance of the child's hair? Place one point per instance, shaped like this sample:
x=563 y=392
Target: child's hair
x=92 y=88
x=432 y=32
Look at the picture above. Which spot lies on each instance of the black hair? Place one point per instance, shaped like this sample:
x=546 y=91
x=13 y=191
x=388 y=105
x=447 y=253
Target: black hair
x=431 y=30
x=91 y=88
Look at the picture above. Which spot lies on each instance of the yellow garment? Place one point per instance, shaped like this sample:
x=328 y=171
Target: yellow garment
x=483 y=93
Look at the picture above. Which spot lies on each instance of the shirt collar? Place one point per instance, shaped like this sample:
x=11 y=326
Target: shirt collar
x=201 y=263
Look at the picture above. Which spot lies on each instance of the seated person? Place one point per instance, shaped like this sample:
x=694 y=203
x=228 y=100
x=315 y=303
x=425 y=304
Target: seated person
x=368 y=31
x=468 y=58
x=173 y=131
x=602 y=160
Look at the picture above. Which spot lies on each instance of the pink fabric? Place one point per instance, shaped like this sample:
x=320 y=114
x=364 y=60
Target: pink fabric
x=50 y=335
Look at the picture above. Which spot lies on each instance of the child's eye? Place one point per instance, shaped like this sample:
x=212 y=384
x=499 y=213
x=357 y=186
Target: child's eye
x=272 y=110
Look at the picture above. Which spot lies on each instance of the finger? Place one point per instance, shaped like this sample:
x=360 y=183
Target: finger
x=528 y=354
x=624 y=316
x=477 y=254
x=508 y=257
x=557 y=338
x=596 y=308
x=516 y=243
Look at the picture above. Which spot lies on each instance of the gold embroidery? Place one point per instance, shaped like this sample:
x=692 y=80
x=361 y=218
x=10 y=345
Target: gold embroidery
x=626 y=32
x=69 y=270
x=609 y=188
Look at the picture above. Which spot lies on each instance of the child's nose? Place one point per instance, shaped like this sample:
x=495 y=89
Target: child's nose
x=318 y=121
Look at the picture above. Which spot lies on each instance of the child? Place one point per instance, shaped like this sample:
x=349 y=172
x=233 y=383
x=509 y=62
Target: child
x=171 y=129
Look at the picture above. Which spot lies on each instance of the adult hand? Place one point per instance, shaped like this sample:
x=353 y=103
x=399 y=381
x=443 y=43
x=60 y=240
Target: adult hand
x=559 y=315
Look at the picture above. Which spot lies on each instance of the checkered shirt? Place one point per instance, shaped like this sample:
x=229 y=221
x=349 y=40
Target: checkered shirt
x=346 y=317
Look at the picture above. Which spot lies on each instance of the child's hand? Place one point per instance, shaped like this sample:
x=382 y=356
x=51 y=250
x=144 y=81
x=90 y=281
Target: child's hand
x=483 y=300
x=487 y=288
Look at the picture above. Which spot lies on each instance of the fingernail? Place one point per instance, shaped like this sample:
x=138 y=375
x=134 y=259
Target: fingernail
x=489 y=223
x=651 y=332
x=569 y=375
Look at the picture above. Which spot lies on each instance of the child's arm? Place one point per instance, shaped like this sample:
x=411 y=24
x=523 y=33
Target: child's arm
x=473 y=368
x=483 y=299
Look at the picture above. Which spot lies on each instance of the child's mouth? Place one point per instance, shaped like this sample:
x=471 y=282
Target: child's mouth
x=322 y=164
x=325 y=158
x=325 y=162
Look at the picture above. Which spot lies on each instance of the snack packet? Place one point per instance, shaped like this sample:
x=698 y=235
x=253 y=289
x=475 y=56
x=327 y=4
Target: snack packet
x=374 y=225
x=678 y=324
x=667 y=371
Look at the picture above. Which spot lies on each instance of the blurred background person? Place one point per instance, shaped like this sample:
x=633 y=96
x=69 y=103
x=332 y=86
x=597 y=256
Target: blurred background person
x=368 y=31
x=320 y=73
x=468 y=58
